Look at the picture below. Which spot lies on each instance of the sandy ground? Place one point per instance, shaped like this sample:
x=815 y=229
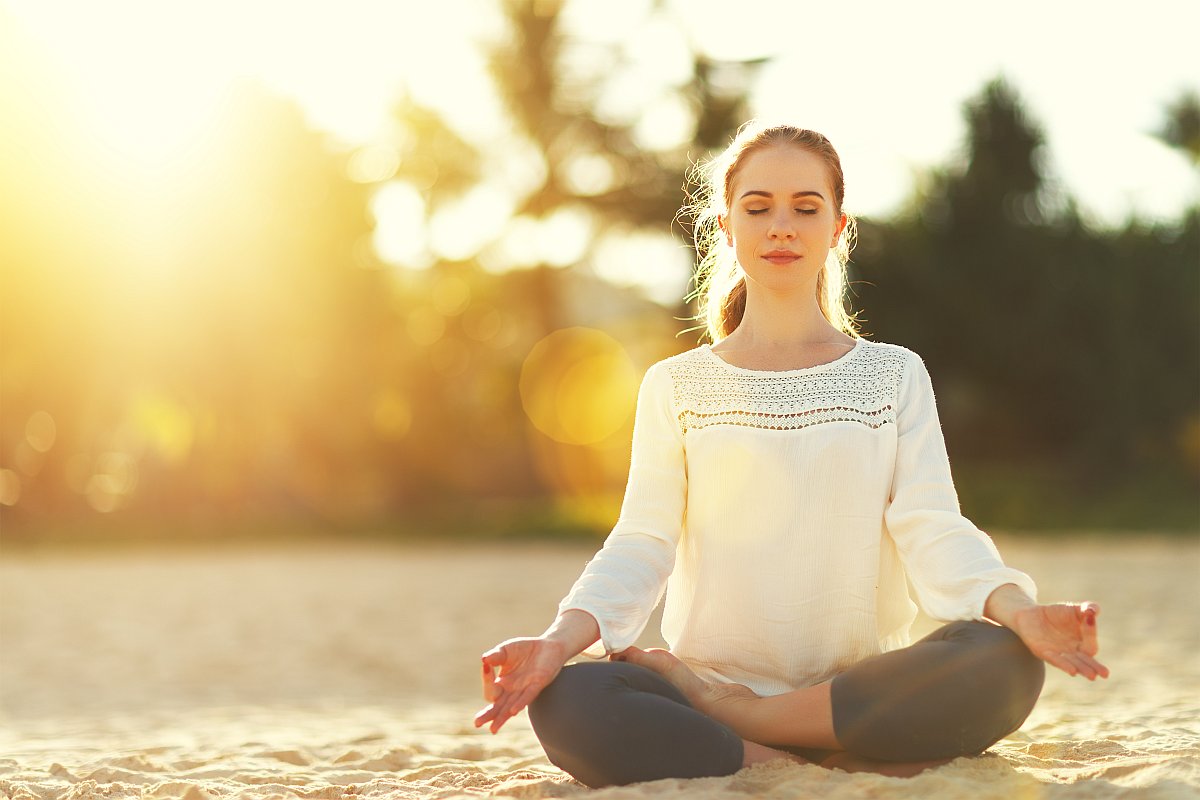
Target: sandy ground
x=346 y=671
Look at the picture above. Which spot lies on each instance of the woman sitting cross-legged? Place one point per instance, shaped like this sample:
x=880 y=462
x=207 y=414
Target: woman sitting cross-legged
x=788 y=483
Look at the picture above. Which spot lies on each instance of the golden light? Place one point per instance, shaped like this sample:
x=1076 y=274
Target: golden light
x=165 y=425
x=425 y=326
x=40 y=431
x=115 y=479
x=391 y=414
x=451 y=295
x=10 y=487
x=578 y=386
x=399 y=236
x=450 y=357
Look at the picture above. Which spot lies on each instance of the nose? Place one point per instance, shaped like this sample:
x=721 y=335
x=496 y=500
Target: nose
x=782 y=227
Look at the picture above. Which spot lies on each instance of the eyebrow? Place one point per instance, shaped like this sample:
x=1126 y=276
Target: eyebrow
x=761 y=193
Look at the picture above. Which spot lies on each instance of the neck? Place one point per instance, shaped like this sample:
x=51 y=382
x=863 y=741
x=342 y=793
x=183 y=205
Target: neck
x=777 y=320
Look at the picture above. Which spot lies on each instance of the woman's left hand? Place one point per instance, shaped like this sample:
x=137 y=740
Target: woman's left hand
x=1063 y=635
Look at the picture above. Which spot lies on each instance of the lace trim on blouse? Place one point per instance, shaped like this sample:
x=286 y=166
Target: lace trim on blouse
x=861 y=386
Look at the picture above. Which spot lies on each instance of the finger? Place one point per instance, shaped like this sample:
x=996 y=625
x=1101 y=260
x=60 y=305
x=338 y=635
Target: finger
x=501 y=699
x=1099 y=669
x=518 y=705
x=504 y=709
x=1081 y=666
x=1058 y=660
x=485 y=715
x=506 y=712
x=495 y=657
x=1087 y=624
x=490 y=689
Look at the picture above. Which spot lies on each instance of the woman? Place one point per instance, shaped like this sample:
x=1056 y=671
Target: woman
x=787 y=482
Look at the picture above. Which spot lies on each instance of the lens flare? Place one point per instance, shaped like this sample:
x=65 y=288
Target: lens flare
x=10 y=487
x=41 y=431
x=578 y=386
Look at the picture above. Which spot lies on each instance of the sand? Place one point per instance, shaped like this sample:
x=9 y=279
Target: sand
x=349 y=670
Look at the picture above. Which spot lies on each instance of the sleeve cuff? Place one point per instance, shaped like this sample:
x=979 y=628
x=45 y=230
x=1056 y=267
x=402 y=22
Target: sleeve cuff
x=608 y=643
x=993 y=582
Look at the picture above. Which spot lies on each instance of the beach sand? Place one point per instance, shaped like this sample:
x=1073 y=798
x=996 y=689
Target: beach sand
x=351 y=670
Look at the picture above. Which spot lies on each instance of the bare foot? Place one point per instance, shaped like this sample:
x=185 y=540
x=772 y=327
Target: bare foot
x=896 y=769
x=665 y=664
x=706 y=696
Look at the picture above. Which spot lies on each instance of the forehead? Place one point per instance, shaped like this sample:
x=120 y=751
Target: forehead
x=781 y=169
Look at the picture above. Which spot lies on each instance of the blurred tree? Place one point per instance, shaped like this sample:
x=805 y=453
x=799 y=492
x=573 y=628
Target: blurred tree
x=222 y=344
x=579 y=163
x=1067 y=350
x=1182 y=126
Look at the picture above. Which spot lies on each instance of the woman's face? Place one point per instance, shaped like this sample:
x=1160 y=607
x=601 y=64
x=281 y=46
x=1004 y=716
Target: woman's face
x=782 y=221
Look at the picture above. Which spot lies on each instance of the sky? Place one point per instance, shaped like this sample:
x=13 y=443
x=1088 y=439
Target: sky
x=885 y=81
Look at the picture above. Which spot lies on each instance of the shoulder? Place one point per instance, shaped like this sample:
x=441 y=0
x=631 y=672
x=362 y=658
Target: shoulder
x=906 y=359
x=662 y=377
x=674 y=367
x=697 y=354
x=893 y=364
x=887 y=349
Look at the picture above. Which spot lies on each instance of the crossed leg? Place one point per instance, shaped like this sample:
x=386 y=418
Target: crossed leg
x=954 y=693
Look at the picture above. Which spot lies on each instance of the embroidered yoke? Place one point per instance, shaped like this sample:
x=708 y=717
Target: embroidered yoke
x=784 y=512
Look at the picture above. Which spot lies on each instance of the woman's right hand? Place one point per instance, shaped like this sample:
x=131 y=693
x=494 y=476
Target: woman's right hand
x=514 y=672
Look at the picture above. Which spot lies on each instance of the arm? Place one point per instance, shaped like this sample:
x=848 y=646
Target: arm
x=621 y=585
x=953 y=566
x=611 y=601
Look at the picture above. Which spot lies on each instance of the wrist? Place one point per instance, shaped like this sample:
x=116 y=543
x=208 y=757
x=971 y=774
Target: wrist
x=1021 y=617
x=1009 y=606
x=572 y=632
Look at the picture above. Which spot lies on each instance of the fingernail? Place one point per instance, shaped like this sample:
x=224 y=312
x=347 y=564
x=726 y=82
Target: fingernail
x=1091 y=620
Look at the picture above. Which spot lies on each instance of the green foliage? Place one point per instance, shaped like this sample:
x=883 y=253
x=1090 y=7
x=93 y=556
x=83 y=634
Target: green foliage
x=239 y=345
x=1182 y=126
x=1067 y=349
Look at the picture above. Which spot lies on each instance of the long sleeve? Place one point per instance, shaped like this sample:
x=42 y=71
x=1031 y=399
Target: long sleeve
x=622 y=584
x=953 y=566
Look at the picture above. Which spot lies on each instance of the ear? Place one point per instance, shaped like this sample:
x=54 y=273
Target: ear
x=841 y=226
x=721 y=220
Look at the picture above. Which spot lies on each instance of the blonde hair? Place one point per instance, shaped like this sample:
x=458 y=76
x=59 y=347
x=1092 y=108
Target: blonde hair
x=720 y=284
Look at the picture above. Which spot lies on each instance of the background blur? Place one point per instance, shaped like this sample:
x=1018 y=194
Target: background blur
x=398 y=269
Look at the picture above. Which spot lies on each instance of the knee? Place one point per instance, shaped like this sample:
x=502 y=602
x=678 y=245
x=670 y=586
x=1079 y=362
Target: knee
x=570 y=697
x=1008 y=661
x=553 y=700
x=1012 y=674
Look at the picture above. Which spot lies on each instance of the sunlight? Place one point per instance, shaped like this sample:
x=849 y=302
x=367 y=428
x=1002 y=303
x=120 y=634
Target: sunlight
x=150 y=77
x=399 y=235
x=577 y=386
x=657 y=263
x=143 y=75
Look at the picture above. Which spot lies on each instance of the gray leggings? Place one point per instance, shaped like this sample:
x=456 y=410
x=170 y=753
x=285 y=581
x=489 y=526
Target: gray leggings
x=954 y=693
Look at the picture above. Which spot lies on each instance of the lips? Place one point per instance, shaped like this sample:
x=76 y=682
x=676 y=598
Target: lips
x=780 y=256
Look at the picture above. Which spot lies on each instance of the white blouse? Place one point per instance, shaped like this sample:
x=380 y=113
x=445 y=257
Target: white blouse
x=785 y=512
